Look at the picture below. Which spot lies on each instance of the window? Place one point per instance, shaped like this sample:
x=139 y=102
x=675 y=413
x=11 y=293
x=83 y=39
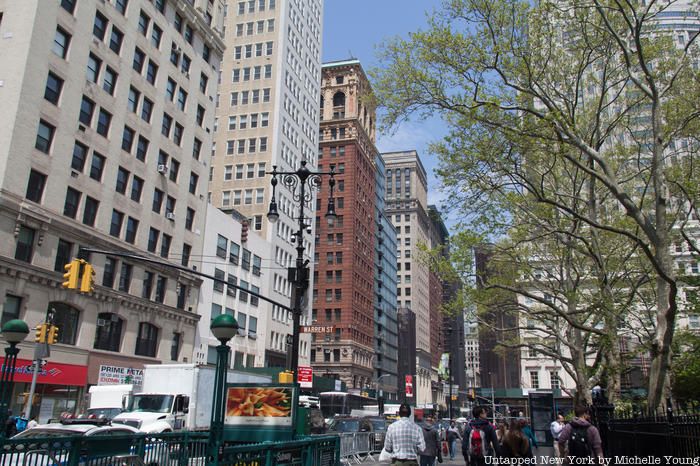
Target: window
x=125 y=277
x=157 y=200
x=98 y=164
x=234 y=253
x=147 y=284
x=254 y=300
x=104 y=120
x=25 y=244
x=139 y=60
x=554 y=379
x=147 y=340
x=170 y=89
x=67 y=318
x=220 y=277
x=61 y=42
x=175 y=346
x=186 y=250
x=90 y=211
x=165 y=243
x=156 y=36
x=257 y=265
x=144 y=21
x=121 y=5
x=63 y=255
x=243 y=296
x=132 y=226
x=99 y=28
x=122 y=180
x=200 y=115
x=44 y=136
x=142 y=148
x=151 y=72
x=70 y=207
x=69 y=6
x=153 y=235
x=177 y=134
x=161 y=285
x=146 y=110
x=133 y=100
x=166 y=125
x=189 y=34
x=108 y=335
x=115 y=40
x=128 y=136
x=174 y=170
x=109 y=81
x=203 y=82
x=52 y=92
x=87 y=108
x=245 y=263
x=115 y=227
x=534 y=379
x=189 y=219
x=35 y=186
x=181 y=99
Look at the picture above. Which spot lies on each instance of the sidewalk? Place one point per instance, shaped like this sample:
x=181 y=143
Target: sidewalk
x=540 y=453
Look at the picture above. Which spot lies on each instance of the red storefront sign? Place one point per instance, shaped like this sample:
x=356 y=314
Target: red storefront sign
x=305 y=377
x=409 y=386
x=52 y=373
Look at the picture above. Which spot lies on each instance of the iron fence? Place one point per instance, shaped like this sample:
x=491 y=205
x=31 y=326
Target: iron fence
x=170 y=449
x=650 y=434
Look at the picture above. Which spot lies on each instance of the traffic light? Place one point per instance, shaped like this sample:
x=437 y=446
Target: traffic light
x=41 y=333
x=72 y=274
x=87 y=282
x=286 y=377
x=53 y=335
x=244 y=231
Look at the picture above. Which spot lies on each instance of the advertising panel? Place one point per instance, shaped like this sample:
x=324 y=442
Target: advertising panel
x=117 y=375
x=260 y=406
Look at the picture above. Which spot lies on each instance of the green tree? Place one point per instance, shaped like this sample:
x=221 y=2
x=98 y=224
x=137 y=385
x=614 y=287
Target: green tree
x=596 y=90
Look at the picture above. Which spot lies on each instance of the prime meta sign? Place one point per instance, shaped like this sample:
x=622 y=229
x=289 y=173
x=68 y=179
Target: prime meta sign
x=317 y=329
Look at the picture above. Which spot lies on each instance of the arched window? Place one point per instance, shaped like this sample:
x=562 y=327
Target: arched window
x=147 y=341
x=339 y=99
x=66 y=317
x=108 y=335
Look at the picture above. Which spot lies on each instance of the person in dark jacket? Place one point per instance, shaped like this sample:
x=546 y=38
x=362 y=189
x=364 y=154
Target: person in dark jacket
x=515 y=443
x=489 y=443
x=10 y=425
x=582 y=421
x=432 y=444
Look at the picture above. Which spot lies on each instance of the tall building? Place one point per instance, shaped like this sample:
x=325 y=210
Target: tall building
x=344 y=277
x=236 y=256
x=407 y=366
x=406 y=206
x=385 y=312
x=114 y=100
x=267 y=115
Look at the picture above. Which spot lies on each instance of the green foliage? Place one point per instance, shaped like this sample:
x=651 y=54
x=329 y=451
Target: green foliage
x=686 y=368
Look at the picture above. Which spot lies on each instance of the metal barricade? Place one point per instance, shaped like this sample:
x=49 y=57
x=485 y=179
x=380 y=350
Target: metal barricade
x=356 y=447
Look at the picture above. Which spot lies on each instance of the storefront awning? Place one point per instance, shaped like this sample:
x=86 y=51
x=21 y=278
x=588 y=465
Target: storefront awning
x=50 y=373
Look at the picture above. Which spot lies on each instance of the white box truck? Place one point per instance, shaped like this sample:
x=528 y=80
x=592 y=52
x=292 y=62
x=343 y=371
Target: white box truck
x=176 y=397
x=107 y=401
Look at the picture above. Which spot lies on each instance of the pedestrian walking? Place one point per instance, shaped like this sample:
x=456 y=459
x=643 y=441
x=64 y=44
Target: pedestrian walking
x=479 y=439
x=501 y=431
x=527 y=430
x=452 y=437
x=580 y=437
x=404 y=439
x=432 y=451
x=515 y=443
x=556 y=427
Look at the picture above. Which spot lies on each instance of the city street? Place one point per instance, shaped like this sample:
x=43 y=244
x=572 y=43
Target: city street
x=459 y=459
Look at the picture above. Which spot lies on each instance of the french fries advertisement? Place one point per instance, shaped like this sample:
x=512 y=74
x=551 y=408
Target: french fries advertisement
x=259 y=406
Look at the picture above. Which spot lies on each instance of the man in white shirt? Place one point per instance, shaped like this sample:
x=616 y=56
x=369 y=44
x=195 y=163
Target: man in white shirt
x=404 y=439
x=556 y=428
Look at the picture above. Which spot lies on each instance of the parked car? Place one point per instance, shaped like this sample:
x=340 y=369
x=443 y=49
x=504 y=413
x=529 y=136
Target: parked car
x=379 y=426
x=349 y=424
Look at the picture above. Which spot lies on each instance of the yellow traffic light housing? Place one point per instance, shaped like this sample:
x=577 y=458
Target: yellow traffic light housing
x=286 y=377
x=71 y=276
x=87 y=282
x=41 y=333
x=52 y=337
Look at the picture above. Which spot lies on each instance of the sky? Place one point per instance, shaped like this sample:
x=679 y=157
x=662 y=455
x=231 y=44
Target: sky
x=354 y=29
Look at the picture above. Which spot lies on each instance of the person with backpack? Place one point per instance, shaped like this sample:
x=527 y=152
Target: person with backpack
x=432 y=444
x=582 y=438
x=515 y=443
x=479 y=439
x=452 y=437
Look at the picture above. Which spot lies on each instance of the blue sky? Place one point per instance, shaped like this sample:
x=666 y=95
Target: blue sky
x=354 y=29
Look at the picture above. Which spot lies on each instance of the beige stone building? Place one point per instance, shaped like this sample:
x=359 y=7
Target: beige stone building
x=267 y=116
x=108 y=112
x=406 y=207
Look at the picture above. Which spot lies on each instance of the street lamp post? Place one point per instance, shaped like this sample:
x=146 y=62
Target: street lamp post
x=14 y=332
x=224 y=327
x=380 y=393
x=305 y=180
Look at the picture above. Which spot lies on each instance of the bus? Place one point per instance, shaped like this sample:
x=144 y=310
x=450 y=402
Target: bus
x=342 y=404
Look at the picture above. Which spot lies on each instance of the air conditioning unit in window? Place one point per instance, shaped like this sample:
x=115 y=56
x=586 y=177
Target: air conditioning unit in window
x=170 y=216
x=162 y=168
x=101 y=322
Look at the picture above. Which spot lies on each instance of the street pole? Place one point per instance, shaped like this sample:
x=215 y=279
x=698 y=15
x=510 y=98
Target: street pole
x=300 y=273
x=13 y=332
x=449 y=380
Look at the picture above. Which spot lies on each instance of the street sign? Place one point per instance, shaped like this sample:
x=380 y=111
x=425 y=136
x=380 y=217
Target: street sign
x=317 y=329
x=305 y=376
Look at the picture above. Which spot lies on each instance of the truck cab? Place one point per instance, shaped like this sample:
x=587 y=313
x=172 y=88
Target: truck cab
x=156 y=412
